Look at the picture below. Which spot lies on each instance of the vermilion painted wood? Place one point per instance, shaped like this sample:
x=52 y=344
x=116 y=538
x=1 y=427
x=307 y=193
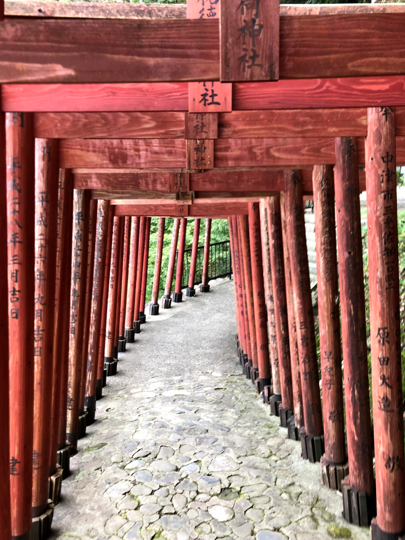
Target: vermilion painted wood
x=106 y=279
x=280 y=301
x=172 y=259
x=46 y=218
x=247 y=272
x=209 y=97
x=269 y=298
x=201 y=125
x=200 y=154
x=119 y=285
x=204 y=10
x=354 y=345
x=249 y=41
x=237 y=283
x=91 y=243
x=156 y=210
x=328 y=312
x=81 y=204
x=122 y=153
x=138 y=181
x=5 y=512
x=148 y=51
x=259 y=301
x=242 y=293
x=130 y=125
x=125 y=269
x=145 y=266
x=139 y=268
x=158 y=260
x=112 y=291
x=206 y=259
x=206 y=209
x=303 y=305
x=194 y=253
x=62 y=351
x=96 y=304
x=385 y=331
x=20 y=182
x=180 y=256
x=292 y=331
x=133 y=257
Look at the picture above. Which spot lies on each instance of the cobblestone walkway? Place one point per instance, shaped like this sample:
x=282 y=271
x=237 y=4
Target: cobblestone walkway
x=183 y=448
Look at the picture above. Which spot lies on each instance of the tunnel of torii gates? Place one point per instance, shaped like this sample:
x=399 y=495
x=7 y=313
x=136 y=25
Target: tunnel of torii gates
x=113 y=114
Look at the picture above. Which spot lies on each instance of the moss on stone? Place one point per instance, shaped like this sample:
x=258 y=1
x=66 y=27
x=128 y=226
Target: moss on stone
x=335 y=531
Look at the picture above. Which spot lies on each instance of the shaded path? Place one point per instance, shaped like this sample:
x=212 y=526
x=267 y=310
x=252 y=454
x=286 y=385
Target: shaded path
x=183 y=448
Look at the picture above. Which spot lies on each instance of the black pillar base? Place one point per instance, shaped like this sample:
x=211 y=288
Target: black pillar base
x=267 y=393
x=378 y=534
x=82 y=425
x=285 y=414
x=166 y=302
x=312 y=448
x=41 y=526
x=55 y=485
x=244 y=360
x=71 y=439
x=254 y=374
x=204 y=288
x=360 y=508
x=104 y=376
x=99 y=389
x=275 y=402
x=112 y=365
x=137 y=327
x=122 y=344
x=190 y=291
x=177 y=297
x=116 y=352
x=293 y=430
x=264 y=383
x=90 y=404
x=333 y=474
x=154 y=309
x=63 y=459
x=130 y=335
x=246 y=368
x=142 y=317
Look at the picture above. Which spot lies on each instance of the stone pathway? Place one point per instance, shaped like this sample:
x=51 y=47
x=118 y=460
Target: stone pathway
x=183 y=448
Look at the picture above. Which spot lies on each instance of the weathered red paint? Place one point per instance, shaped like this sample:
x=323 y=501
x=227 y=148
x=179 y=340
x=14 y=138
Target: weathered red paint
x=125 y=269
x=158 y=261
x=172 y=258
x=194 y=253
x=244 y=313
x=133 y=257
x=180 y=257
x=206 y=259
x=145 y=268
x=119 y=287
x=112 y=292
x=139 y=267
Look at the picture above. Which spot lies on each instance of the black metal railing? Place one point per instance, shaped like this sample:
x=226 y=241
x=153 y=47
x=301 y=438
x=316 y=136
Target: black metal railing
x=220 y=264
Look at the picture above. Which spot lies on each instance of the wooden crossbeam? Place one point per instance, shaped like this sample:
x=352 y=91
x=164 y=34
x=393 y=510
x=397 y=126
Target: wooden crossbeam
x=87 y=51
x=203 y=209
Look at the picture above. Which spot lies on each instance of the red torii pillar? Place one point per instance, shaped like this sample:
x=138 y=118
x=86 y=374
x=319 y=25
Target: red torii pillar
x=358 y=487
x=312 y=435
x=133 y=254
x=166 y=299
x=385 y=331
x=334 y=462
x=178 y=294
x=125 y=262
x=193 y=261
x=204 y=287
x=119 y=288
x=46 y=216
x=142 y=316
x=139 y=268
x=20 y=181
x=154 y=307
x=247 y=351
x=96 y=308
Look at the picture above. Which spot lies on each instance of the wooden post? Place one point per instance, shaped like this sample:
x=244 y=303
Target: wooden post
x=46 y=216
x=385 y=331
x=297 y=422
x=178 y=295
x=96 y=308
x=5 y=511
x=333 y=461
x=358 y=488
x=204 y=287
x=259 y=302
x=119 y=288
x=311 y=435
x=89 y=266
x=61 y=349
x=20 y=182
x=125 y=263
x=154 y=306
x=252 y=370
x=142 y=316
x=280 y=309
x=133 y=256
x=272 y=391
x=193 y=262
x=109 y=359
x=101 y=369
x=167 y=300
x=139 y=268
x=77 y=307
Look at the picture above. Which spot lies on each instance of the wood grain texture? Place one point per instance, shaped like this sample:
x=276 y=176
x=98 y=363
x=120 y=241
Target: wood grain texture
x=158 y=260
x=123 y=153
x=194 y=253
x=180 y=256
x=201 y=125
x=130 y=125
x=172 y=259
x=124 y=181
x=141 y=196
x=220 y=210
x=209 y=97
x=95 y=97
x=88 y=51
x=200 y=154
